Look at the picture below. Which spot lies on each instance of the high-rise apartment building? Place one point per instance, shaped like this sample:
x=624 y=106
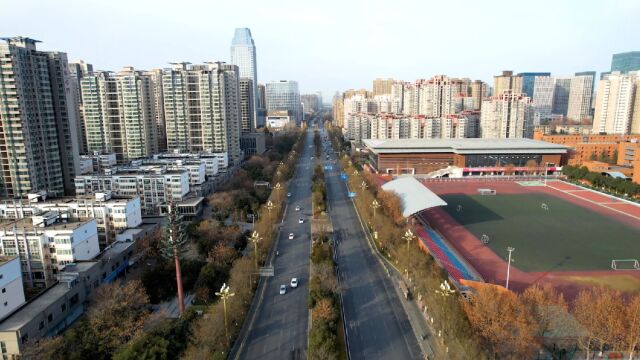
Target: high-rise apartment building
x=382 y=86
x=626 y=62
x=614 y=110
x=542 y=101
x=120 y=113
x=247 y=105
x=202 y=108
x=38 y=124
x=160 y=134
x=561 y=96
x=479 y=91
x=284 y=95
x=506 y=116
x=581 y=91
x=529 y=81
x=78 y=70
x=507 y=82
x=436 y=95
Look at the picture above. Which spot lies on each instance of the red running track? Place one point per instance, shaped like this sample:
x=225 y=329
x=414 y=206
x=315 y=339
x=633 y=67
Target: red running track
x=491 y=266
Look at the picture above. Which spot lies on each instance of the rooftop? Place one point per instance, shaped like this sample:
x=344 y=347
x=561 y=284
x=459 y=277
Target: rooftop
x=24 y=314
x=415 y=197
x=463 y=146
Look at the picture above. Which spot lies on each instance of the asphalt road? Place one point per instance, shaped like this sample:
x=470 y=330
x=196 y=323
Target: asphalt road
x=279 y=330
x=376 y=324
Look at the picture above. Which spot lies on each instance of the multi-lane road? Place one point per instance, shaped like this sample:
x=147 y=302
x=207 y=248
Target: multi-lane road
x=279 y=328
x=377 y=326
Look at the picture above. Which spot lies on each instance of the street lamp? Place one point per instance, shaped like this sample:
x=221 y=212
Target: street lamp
x=224 y=294
x=278 y=187
x=510 y=250
x=408 y=236
x=445 y=291
x=375 y=205
x=255 y=239
x=363 y=186
x=269 y=207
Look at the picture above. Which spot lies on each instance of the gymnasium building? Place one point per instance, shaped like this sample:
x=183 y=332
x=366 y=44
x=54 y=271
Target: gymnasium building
x=463 y=157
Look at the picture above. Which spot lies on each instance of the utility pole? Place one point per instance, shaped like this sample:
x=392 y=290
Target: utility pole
x=255 y=239
x=375 y=205
x=510 y=250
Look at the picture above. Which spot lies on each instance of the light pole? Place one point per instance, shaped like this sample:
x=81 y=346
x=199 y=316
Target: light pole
x=546 y=170
x=445 y=291
x=255 y=239
x=224 y=294
x=408 y=236
x=375 y=205
x=510 y=250
x=278 y=187
x=269 y=207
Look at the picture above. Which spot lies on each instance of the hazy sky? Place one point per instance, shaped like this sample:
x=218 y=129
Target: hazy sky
x=332 y=45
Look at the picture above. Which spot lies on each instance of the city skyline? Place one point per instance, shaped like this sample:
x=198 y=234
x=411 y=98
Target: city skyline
x=325 y=55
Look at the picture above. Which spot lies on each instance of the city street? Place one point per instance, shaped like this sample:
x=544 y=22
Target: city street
x=377 y=326
x=279 y=328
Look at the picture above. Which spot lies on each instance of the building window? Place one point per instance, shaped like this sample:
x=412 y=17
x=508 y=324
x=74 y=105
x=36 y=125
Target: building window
x=50 y=318
x=41 y=326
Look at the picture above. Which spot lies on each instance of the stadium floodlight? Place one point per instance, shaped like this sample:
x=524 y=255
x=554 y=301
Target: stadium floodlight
x=510 y=250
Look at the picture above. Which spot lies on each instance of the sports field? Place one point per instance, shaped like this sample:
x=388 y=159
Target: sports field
x=566 y=237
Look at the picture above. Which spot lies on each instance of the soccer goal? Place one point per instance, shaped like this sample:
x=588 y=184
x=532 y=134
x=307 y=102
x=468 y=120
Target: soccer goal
x=625 y=264
x=486 y=192
x=484 y=239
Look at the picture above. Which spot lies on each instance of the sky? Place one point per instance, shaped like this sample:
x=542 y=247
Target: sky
x=330 y=45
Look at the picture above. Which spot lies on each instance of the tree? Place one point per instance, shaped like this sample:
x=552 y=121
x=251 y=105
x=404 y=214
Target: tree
x=599 y=311
x=544 y=304
x=116 y=316
x=324 y=311
x=501 y=321
x=632 y=325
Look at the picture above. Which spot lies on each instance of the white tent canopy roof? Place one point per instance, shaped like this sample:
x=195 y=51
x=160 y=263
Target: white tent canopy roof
x=415 y=197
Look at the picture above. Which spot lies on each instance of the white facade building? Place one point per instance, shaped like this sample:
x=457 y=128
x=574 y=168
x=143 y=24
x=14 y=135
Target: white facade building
x=542 y=102
x=579 y=107
x=112 y=215
x=154 y=187
x=615 y=104
x=45 y=245
x=12 y=289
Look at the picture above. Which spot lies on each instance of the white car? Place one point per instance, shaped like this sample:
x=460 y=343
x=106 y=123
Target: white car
x=290 y=236
x=288 y=194
x=301 y=221
x=297 y=208
x=283 y=289
x=294 y=282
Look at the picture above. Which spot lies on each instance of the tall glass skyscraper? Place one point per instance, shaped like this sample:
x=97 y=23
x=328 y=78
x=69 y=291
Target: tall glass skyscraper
x=243 y=54
x=625 y=62
x=284 y=95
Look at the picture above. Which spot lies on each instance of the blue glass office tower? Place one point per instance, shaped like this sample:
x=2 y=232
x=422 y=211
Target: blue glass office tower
x=529 y=80
x=625 y=62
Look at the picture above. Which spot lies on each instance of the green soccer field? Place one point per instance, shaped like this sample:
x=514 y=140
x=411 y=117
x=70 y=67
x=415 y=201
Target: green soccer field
x=565 y=237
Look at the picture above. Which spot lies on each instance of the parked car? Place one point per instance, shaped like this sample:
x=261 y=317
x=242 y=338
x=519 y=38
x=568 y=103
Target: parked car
x=297 y=208
x=301 y=221
x=288 y=194
x=294 y=282
x=290 y=236
x=283 y=289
